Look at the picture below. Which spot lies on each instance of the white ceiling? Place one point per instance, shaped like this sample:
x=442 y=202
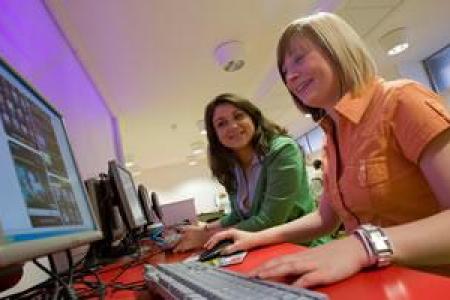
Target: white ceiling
x=152 y=60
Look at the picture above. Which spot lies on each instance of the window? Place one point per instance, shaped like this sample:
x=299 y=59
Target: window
x=316 y=139
x=438 y=69
x=302 y=141
x=312 y=141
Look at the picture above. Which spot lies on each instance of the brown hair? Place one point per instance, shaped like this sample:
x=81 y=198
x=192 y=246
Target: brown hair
x=222 y=160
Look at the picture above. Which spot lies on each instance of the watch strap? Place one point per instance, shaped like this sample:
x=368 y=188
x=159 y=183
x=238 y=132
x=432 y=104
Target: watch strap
x=376 y=243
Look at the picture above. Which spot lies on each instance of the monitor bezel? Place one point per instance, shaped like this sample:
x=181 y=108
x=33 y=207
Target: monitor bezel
x=146 y=203
x=131 y=223
x=156 y=206
x=23 y=251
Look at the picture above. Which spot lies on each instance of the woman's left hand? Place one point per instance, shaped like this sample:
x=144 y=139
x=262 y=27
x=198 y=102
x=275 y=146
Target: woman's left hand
x=194 y=236
x=321 y=265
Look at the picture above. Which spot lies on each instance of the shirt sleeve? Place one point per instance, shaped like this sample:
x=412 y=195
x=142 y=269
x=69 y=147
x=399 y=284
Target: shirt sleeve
x=232 y=218
x=283 y=191
x=419 y=118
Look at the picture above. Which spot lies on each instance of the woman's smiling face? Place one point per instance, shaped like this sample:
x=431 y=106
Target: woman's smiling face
x=233 y=126
x=310 y=75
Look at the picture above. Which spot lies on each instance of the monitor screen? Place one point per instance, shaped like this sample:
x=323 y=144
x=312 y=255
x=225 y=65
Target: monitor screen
x=146 y=203
x=127 y=195
x=43 y=207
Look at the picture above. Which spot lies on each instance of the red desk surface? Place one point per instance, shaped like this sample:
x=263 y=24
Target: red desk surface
x=383 y=284
x=391 y=283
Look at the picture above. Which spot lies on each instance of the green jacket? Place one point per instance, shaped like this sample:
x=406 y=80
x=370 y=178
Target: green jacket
x=281 y=192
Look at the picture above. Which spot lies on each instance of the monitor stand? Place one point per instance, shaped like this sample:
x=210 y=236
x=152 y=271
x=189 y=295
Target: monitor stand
x=100 y=254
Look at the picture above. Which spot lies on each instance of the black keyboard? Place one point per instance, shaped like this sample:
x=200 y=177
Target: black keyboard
x=195 y=280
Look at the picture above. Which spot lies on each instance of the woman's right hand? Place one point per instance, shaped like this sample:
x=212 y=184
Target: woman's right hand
x=194 y=237
x=242 y=240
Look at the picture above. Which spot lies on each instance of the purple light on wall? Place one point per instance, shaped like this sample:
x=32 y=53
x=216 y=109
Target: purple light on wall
x=32 y=43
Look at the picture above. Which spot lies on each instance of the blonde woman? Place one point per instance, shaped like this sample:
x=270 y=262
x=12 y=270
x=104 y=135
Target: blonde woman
x=386 y=168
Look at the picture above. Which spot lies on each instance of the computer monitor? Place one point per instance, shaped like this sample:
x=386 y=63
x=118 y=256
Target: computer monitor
x=146 y=204
x=44 y=207
x=123 y=185
x=156 y=206
x=106 y=210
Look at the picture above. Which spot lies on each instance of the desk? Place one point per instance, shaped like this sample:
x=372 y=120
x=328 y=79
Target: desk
x=391 y=283
x=119 y=272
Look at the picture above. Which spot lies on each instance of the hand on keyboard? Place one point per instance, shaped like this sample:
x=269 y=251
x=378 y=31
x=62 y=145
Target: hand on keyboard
x=315 y=266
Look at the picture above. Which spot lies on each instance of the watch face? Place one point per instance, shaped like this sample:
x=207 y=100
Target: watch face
x=379 y=241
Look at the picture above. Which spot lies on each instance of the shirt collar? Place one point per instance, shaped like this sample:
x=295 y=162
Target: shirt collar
x=256 y=160
x=353 y=107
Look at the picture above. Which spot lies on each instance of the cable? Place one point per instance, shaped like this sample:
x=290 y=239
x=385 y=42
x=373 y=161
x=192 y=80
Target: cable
x=97 y=287
x=71 y=266
x=101 y=289
x=133 y=286
x=70 y=292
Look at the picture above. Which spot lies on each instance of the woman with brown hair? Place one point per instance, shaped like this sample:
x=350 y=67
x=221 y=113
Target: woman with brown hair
x=261 y=168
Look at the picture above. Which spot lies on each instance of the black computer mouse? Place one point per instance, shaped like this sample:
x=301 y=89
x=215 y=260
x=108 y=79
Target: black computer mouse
x=214 y=251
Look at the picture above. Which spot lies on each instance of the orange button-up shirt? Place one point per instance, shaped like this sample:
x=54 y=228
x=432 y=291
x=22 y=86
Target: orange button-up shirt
x=372 y=173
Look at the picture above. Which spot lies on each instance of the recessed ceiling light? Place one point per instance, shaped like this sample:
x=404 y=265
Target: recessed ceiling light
x=201 y=127
x=192 y=160
x=395 y=41
x=129 y=164
x=136 y=173
x=129 y=160
x=197 y=147
x=197 y=151
x=193 y=163
x=398 y=49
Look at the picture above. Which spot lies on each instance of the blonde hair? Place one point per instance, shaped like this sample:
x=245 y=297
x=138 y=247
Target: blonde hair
x=343 y=46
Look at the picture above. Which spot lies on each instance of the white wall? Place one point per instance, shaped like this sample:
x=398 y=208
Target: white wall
x=181 y=181
x=32 y=44
x=414 y=70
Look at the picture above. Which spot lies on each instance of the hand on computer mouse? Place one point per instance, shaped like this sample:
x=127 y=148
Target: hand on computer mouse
x=193 y=237
x=242 y=240
x=215 y=251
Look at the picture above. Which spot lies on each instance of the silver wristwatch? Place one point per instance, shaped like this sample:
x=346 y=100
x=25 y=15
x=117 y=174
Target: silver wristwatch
x=377 y=244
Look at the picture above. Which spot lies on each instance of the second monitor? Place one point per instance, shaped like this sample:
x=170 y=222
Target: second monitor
x=134 y=217
x=150 y=205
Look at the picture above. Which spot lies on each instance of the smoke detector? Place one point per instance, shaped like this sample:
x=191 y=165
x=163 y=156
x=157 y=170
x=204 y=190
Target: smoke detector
x=230 y=55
